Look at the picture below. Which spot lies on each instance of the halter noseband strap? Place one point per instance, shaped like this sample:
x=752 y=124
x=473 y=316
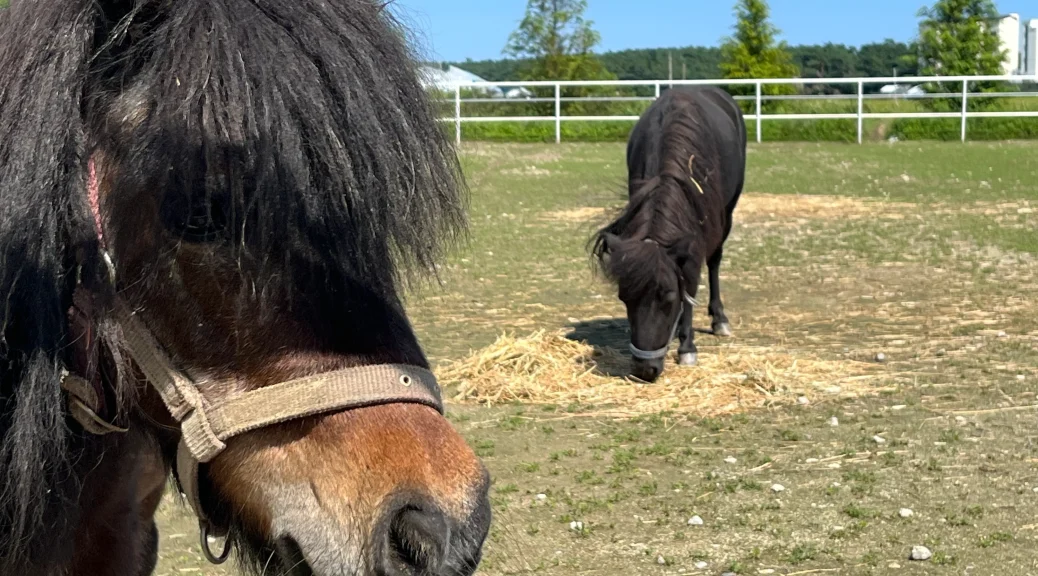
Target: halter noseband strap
x=661 y=352
x=206 y=427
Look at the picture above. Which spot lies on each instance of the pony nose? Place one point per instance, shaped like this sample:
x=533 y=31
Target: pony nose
x=648 y=371
x=419 y=541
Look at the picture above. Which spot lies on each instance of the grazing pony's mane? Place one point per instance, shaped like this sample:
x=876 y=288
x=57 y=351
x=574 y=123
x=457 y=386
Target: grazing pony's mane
x=674 y=210
x=294 y=131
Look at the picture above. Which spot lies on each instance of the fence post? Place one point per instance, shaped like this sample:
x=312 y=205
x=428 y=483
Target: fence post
x=657 y=89
x=457 y=115
x=861 y=108
x=558 y=114
x=758 y=113
x=965 y=93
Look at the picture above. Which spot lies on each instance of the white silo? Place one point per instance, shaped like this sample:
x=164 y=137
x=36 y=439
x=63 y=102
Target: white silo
x=1009 y=35
x=1030 y=64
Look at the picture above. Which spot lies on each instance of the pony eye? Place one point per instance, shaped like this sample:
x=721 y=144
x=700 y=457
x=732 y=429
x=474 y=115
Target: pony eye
x=670 y=296
x=193 y=221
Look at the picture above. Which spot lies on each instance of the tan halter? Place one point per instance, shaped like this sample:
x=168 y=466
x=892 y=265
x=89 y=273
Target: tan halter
x=206 y=427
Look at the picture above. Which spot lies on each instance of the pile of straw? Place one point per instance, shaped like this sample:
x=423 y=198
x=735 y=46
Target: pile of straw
x=549 y=368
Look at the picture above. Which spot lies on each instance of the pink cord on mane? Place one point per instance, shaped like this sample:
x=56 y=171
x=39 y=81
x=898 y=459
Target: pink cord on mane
x=94 y=197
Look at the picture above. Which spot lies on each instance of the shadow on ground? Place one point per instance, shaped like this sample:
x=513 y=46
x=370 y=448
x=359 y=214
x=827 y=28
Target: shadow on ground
x=602 y=333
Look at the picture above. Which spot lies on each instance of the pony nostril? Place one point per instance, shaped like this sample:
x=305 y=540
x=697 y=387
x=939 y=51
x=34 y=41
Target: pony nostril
x=647 y=372
x=292 y=557
x=418 y=540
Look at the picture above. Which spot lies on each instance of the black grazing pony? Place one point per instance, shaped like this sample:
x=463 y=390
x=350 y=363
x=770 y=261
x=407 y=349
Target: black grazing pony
x=686 y=161
x=249 y=181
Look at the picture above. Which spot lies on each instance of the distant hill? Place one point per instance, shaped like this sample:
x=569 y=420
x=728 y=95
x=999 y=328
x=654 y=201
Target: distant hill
x=698 y=62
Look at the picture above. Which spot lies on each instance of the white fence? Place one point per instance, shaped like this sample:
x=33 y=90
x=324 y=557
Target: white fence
x=758 y=116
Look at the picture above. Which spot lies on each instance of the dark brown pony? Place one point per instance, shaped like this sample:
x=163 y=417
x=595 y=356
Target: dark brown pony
x=686 y=160
x=253 y=179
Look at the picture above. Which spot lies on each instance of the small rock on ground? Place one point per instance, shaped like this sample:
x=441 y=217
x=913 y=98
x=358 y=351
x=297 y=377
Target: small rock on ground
x=920 y=553
x=730 y=460
x=661 y=560
x=542 y=497
x=879 y=439
x=834 y=421
x=695 y=521
x=700 y=565
x=778 y=488
x=905 y=513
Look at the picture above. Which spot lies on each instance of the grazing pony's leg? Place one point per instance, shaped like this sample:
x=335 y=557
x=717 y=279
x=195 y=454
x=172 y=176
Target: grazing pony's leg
x=687 y=352
x=719 y=320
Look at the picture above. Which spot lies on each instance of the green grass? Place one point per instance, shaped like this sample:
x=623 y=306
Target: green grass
x=924 y=251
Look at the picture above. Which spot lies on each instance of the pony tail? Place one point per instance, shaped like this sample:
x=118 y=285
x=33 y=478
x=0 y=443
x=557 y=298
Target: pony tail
x=42 y=217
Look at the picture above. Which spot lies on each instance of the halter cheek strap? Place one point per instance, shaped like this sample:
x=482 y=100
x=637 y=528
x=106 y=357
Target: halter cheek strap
x=661 y=352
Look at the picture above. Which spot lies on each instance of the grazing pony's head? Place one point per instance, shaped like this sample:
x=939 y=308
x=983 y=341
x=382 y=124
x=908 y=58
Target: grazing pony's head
x=251 y=181
x=646 y=252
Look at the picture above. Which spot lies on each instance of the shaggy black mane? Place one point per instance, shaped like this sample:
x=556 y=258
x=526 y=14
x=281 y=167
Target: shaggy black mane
x=294 y=131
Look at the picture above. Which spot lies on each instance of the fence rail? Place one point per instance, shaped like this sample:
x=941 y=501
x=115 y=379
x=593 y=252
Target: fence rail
x=757 y=116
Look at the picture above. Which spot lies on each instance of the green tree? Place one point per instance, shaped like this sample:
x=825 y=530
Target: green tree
x=827 y=61
x=960 y=38
x=888 y=58
x=557 y=41
x=753 y=52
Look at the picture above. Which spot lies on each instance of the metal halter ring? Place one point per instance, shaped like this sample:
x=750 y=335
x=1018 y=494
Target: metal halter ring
x=204 y=541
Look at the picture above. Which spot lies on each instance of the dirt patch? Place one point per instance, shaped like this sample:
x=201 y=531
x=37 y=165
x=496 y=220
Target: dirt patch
x=549 y=368
x=527 y=171
x=757 y=207
x=575 y=215
x=998 y=209
x=527 y=152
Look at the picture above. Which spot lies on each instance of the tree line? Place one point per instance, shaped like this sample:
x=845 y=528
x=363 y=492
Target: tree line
x=555 y=42
x=702 y=63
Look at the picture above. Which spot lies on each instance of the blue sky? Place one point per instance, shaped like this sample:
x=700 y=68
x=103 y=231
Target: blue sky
x=458 y=29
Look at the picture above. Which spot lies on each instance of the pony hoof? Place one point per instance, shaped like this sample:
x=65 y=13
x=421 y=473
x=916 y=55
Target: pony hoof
x=724 y=330
x=687 y=359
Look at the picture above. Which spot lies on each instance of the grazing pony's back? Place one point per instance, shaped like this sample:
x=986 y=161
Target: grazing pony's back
x=247 y=182
x=686 y=161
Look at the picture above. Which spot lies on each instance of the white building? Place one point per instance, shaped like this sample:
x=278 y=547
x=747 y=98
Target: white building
x=1030 y=56
x=435 y=77
x=1009 y=35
